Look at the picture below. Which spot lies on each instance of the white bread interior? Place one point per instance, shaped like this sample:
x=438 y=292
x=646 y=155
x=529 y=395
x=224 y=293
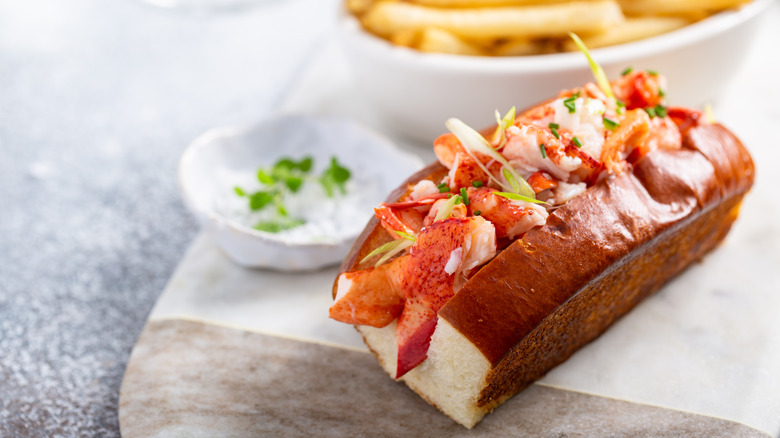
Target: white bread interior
x=452 y=376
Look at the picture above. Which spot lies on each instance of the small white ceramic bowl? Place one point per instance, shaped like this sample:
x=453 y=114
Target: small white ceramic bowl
x=416 y=92
x=209 y=163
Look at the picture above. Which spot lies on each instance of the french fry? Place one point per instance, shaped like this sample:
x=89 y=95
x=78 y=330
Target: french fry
x=674 y=7
x=525 y=27
x=359 y=7
x=630 y=30
x=407 y=38
x=441 y=41
x=387 y=18
x=482 y=3
x=519 y=47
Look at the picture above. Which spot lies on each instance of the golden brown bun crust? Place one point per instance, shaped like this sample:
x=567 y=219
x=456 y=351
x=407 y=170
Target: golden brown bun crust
x=563 y=284
x=588 y=235
x=598 y=256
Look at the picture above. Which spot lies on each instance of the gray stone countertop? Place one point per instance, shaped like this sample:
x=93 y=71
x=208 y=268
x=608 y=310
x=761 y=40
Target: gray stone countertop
x=98 y=99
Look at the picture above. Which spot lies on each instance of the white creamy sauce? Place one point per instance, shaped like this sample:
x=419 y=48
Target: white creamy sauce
x=586 y=123
x=327 y=219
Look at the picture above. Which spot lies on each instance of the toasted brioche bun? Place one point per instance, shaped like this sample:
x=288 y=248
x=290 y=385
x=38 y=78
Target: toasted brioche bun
x=563 y=284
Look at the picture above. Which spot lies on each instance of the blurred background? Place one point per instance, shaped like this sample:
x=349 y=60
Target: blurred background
x=98 y=99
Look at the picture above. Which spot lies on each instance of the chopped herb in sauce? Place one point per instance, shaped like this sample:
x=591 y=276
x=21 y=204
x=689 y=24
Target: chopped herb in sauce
x=286 y=177
x=543 y=150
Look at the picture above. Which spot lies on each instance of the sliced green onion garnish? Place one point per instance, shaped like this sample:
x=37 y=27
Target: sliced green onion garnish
x=446 y=209
x=554 y=126
x=473 y=142
x=660 y=111
x=389 y=249
x=518 y=197
x=555 y=133
x=443 y=188
x=610 y=124
x=544 y=151
x=477 y=183
x=407 y=236
x=598 y=72
x=652 y=72
x=710 y=115
x=477 y=213
x=465 y=195
x=576 y=142
x=650 y=112
x=499 y=136
x=661 y=92
x=626 y=71
x=511 y=180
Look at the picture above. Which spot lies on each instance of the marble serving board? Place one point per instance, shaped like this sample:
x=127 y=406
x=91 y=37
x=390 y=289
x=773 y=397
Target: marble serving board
x=235 y=352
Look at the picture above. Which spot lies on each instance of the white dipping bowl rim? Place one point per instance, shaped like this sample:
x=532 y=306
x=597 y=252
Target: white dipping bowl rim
x=314 y=255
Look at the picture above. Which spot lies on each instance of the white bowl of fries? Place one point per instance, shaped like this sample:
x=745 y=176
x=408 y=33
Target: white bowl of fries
x=414 y=89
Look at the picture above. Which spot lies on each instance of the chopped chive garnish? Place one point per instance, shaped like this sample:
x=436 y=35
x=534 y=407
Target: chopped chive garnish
x=650 y=112
x=555 y=133
x=571 y=104
x=621 y=106
x=477 y=183
x=544 y=150
x=660 y=111
x=464 y=194
x=576 y=142
x=610 y=124
x=661 y=92
x=554 y=126
x=652 y=72
x=626 y=71
x=477 y=213
x=443 y=188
